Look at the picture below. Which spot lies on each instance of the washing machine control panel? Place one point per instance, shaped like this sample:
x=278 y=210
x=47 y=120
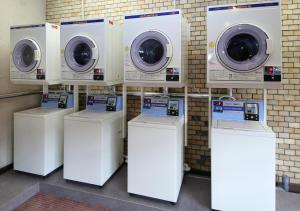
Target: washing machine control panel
x=237 y=110
x=163 y=106
x=57 y=100
x=272 y=73
x=104 y=102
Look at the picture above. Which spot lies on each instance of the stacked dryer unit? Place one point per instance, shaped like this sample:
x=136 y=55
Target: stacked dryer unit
x=243 y=51
x=156 y=49
x=91 y=52
x=155 y=55
x=35 y=57
x=244 y=46
x=38 y=133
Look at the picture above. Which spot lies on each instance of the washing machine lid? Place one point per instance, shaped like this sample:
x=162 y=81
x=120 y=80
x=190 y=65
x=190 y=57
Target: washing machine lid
x=151 y=51
x=243 y=48
x=93 y=116
x=81 y=54
x=242 y=126
x=167 y=122
x=26 y=55
x=41 y=112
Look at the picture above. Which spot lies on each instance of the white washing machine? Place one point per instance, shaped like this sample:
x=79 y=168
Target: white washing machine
x=35 y=54
x=93 y=143
x=243 y=150
x=91 y=52
x=155 y=48
x=244 y=45
x=38 y=135
x=156 y=149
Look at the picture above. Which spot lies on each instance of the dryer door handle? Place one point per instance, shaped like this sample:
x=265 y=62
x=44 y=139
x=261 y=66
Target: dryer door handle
x=169 y=51
x=95 y=53
x=37 y=55
x=269 y=46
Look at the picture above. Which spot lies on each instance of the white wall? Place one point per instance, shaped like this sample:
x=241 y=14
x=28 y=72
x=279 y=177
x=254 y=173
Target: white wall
x=14 y=12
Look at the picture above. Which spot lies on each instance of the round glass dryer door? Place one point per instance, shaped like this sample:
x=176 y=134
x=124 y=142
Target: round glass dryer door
x=26 y=55
x=81 y=54
x=243 y=48
x=151 y=51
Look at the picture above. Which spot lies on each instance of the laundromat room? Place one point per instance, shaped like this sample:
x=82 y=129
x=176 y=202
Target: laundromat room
x=150 y=105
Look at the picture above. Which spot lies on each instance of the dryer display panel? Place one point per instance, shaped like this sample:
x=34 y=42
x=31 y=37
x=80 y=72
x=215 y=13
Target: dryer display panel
x=243 y=48
x=81 y=54
x=150 y=51
x=26 y=55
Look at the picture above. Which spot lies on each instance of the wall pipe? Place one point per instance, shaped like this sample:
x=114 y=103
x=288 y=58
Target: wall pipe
x=19 y=94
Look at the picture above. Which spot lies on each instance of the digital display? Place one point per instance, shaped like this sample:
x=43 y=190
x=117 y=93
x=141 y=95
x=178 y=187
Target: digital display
x=173 y=105
x=63 y=99
x=111 y=101
x=251 y=108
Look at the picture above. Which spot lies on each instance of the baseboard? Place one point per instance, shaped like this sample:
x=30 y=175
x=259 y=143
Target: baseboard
x=5 y=168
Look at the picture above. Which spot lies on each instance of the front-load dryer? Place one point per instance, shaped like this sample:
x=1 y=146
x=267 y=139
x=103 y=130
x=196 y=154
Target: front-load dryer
x=91 y=52
x=35 y=54
x=244 y=46
x=155 y=48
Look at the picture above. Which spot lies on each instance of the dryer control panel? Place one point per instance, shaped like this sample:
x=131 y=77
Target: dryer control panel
x=238 y=110
x=101 y=102
x=163 y=106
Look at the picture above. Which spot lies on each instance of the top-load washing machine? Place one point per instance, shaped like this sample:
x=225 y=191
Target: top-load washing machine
x=39 y=135
x=35 y=54
x=243 y=150
x=96 y=135
x=155 y=48
x=91 y=52
x=156 y=149
x=244 y=46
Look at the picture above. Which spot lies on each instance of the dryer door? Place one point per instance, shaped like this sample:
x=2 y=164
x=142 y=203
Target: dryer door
x=26 y=55
x=151 y=51
x=243 y=48
x=81 y=54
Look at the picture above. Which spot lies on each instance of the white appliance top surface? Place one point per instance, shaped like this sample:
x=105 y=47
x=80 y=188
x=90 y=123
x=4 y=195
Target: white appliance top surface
x=241 y=125
x=93 y=115
x=161 y=120
x=41 y=111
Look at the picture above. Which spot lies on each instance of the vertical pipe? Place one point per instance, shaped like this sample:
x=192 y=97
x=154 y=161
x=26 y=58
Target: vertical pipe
x=265 y=93
x=229 y=92
x=76 y=98
x=124 y=110
x=45 y=88
x=186 y=115
x=209 y=117
x=142 y=97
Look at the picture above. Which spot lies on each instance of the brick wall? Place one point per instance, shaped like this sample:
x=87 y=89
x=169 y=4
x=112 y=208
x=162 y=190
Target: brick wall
x=283 y=104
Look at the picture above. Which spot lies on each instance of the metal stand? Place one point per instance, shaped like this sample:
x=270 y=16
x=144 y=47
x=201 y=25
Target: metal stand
x=76 y=98
x=124 y=110
x=45 y=89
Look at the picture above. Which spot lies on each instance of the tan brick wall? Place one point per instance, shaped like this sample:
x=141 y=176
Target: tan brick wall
x=283 y=104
